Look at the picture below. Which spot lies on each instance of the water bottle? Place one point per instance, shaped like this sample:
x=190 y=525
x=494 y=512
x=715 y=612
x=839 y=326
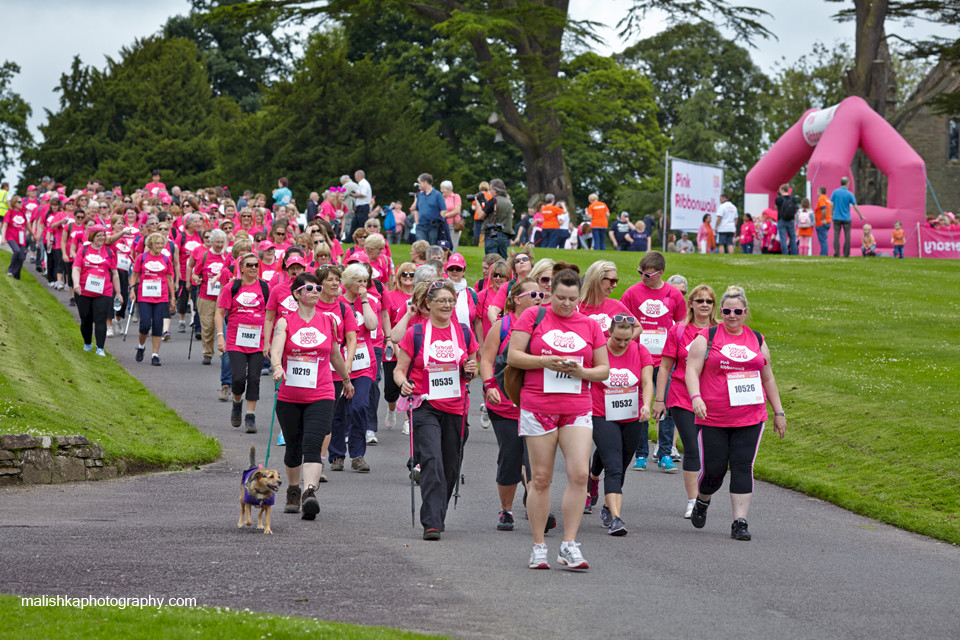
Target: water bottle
x=117 y=304
x=388 y=352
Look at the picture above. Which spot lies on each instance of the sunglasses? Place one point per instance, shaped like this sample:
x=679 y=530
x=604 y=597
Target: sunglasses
x=612 y=281
x=128 y=202
x=702 y=300
x=737 y=312
x=251 y=265
x=546 y=280
x=521 y=259
x=280 y=235
x=455 y=269
x=622 y=318
x=497 y=275
x=648 y=275
x=162 y=228
x=534 y=295
x=103 y=206
x=309 y=288
x=407 y=274
x=438 y=284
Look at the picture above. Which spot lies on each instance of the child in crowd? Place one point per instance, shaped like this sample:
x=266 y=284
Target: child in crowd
x=748 y=231
x=706 y=241
x=899 y=239
x=869 y=243
x=768 y=230
x=805 y=221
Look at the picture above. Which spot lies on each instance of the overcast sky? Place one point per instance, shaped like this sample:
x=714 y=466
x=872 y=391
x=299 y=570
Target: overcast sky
x=95 y=31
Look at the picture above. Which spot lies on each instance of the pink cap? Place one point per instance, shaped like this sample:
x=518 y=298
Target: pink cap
x=456 y=260
x=94 y=230
x=359 y=256
x=297 y=259
x=45 y=196
x=165 y=199
x=265 y=245
x=61 y=190
x=32 y=187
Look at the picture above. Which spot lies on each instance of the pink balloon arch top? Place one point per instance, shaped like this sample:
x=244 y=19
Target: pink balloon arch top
x=826 y=140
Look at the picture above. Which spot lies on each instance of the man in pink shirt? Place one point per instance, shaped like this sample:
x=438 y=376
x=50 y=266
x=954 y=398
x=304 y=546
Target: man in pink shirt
x=657 y=307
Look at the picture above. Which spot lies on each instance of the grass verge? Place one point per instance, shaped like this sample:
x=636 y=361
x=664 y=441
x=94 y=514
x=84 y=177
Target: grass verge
x=171 y=623
x=49 y=386
x=867 y=358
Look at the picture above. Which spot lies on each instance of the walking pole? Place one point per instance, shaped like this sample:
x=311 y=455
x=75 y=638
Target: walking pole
x=190 y=348
x=463 y=428
x=273 y=414
x=413 y=507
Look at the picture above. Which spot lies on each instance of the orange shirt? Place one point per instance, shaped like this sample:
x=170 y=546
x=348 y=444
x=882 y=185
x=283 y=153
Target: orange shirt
x=818 y=213
x=899 y=238
x=599 y=213
x=550 y=214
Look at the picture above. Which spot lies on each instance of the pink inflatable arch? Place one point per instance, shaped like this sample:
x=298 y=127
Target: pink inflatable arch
x=827 y=139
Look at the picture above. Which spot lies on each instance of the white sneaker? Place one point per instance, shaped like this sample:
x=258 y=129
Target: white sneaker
x=570 y=556
x=111 y=332
x=101 y=352
x=689 y=511
x=484 y=417
x=406 y=428
x=391 y=420
x=371 y=437
x=116 y=330
x=538 y=557
x=653 y=452
x=675 y=454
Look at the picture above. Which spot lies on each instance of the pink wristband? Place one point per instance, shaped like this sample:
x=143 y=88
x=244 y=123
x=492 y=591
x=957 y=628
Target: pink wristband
x=696 y=396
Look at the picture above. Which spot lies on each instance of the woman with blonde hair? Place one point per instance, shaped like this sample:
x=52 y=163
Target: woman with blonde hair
x=396 y=303
x=521 y=262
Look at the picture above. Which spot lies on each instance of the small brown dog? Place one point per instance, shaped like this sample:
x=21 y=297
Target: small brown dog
x=259 y=488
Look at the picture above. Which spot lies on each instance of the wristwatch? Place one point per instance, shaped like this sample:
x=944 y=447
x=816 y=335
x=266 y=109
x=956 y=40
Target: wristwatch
x=780 y=413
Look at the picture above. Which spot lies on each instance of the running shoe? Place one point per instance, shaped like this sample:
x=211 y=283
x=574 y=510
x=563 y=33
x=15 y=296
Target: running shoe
x=224 y=393
x=593 y=490
x=166 y=336
x=666 y=465
x=640 y=464
x=570 y=556
x=391 y=420
x=606 y=519
x=73 y=301
x=431 y=534
x=675 y=454
x=116 y=329
x=281 y=442
x=738 y=530
x=198 y=336
x=181 y=327
x=88 y=347
x=336 y=464
x=484 y=416
x=207 y=359
x=310 y=505
x=587 y=508
x=371 y=437
x=293 y=500
x=405 y=430
x=617 y=528
x=251 y=423
x=140 y=352
x=551 y=523
x=505 y=522
x=689 y=511
x=699 y=515
x=155 y=360
x=538 y=557
x=101 y=352
x=653 y=452
x=359 y=464
x=110 y=330
x=236 y=414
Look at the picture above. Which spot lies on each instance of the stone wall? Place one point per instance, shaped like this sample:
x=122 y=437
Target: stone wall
x=52 y=459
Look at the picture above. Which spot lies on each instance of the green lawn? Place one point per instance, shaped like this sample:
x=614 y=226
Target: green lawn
x=49 y=386
x=867 y=358
x=170 y=623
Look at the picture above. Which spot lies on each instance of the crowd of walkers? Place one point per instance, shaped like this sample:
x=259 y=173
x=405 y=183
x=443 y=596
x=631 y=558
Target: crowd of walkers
x=562 y=365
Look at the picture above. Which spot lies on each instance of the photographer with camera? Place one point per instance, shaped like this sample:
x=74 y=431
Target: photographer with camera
x=478 y=201
x=498 y=220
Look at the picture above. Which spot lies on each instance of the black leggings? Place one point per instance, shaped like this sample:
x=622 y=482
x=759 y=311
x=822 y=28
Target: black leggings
x=616 y=442
x=687 y=429
x=510 y=450
x=245 y=371
x=93 y=317
x=124 y=292
x=304 y=427
x=735 y=447
x=391 y=392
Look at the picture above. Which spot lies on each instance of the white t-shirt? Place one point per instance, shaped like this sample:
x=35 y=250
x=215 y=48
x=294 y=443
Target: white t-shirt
x=364 y=193
x=726 y=218
x=564 y=220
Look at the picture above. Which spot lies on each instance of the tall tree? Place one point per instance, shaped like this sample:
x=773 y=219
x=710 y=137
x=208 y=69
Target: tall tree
x=15 y=136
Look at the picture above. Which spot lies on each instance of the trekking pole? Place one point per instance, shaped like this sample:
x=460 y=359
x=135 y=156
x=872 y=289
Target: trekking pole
x=413 y=506
x=129 y=315
x=463 y=429
x=273 y=414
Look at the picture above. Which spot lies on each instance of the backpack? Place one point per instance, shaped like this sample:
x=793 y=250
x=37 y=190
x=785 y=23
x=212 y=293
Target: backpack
x=418 y=338
x=805 y=219
x=713 y=332
x=788 y=208
x=508 y=378
x=237 y=283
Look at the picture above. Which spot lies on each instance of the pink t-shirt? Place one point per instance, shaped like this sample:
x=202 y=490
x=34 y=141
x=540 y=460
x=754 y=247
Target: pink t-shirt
x=187 y=245
x=343 y=322
x=500 y=298
x=484 y=298
x=269 y=271
x=440 y=346
x=381 y=269
x=732 y=356
x=247 y=311
x=366 y=339
x=573 y=337
x=16 y=226
x=282 y=301
x=209 y=265
x=395 y=302
x=747 y=232
x=124 y=249
x=58 y=232
x=679 y=338
x=506 y=408
x=626 y=371
x=96 y=267
x=604 y=313
x=656 y=309
x=151 y=269
x=306 y=357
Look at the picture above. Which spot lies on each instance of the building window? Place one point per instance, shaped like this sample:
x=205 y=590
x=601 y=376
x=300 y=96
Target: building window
x=953 y=144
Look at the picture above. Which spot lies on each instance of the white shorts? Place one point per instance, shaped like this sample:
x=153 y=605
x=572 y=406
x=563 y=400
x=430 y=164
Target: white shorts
x=538 y=424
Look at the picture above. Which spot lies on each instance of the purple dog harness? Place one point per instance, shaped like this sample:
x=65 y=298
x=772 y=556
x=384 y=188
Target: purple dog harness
x=249 y=499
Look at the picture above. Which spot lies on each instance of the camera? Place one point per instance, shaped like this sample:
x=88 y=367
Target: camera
x=472 y=197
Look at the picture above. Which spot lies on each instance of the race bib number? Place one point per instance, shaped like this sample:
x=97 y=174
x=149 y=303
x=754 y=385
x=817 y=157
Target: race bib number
x=213 y=287
x=123 y=262
x=443 y=381
x=654 y=340
x=361 y=358
x=96 y=284
x=248 y=335
x=621 y=403
x=559 y=382
x=744 y=388
x=302 y=371
x=21 y=238
x=151 y=289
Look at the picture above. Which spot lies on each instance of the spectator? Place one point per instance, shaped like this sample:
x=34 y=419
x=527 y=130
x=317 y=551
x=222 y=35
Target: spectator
x=869 y=243
x=823 y=218
x=480 y=199
x=362 y=200
x=672 y=244
x=313 y=206
x=705 y=238
x=282 y=194
x=842 y=200
x=498 y=220
x=563 y=232
x=618 y=234
x=454 y=207
x=725 y=224
x=638 y=239
x=551 y=221
x=345 y=198
x=599 y=214
x=685 y=245
x=428 y=210
x=786 y=214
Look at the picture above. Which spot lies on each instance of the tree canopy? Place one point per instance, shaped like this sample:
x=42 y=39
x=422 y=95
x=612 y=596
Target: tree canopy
x=15 y=136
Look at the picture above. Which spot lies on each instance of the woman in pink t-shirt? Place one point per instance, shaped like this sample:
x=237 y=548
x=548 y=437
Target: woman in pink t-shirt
x=203 y=268
x=435 y=361
x=303 y=354
x=151 y=284
x=598 y=284
x=496 y=277
x=395 y=303
x=503 y=413
x=729 y=379
x=522 y=262
x=15 y=233
x=95 y=282
x=561 y=354
x=620 y=403
x=701 y=314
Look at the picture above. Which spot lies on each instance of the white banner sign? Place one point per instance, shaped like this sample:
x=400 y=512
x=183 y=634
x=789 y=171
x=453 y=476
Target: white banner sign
x=695 y=191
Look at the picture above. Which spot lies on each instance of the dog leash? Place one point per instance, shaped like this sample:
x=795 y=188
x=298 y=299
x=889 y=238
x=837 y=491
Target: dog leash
x=273 y=414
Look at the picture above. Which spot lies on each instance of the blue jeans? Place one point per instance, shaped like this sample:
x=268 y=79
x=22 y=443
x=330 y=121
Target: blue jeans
x=477 y=228
x=550 y=237
x=496 y=242
x=599 y=240
x=785 y=229
x=225 y=377
x=823 y=234
x=665 y=428
x=428 y=231
x=747 y=247
x=375 y=392
x=562 y=236
x=898 y=251
x=350 y=417
x=19 y=256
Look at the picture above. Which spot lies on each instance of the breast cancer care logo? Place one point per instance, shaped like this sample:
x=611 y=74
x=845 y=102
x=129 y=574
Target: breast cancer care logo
x=444 y=351
x=621 y=378
x=154 y=266
x=602 y=319
x=289 y=303
x=94 y=258
x=248 y=299
x=308 y=337
x=737 y=353
x=566 y=341
x=653 y=308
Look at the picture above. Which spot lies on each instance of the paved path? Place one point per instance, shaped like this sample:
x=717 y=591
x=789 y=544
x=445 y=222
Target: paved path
x=811 y=571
